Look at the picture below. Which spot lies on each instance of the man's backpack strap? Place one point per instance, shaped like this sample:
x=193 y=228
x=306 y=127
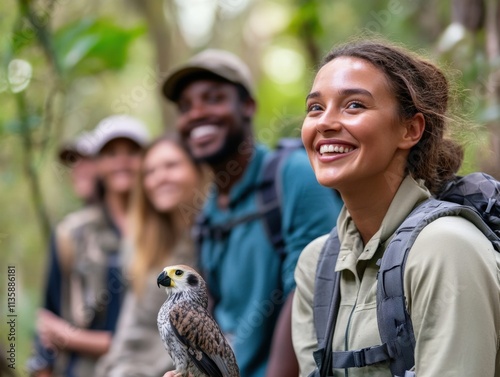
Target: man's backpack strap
x=326 y=302
x=269 y=194
x=268 y=203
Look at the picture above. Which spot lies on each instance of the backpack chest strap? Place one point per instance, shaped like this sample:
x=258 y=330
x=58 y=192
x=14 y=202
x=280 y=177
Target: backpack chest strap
x=360 y=358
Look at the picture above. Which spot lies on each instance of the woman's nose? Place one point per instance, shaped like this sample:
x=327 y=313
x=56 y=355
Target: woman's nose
x=328 y=122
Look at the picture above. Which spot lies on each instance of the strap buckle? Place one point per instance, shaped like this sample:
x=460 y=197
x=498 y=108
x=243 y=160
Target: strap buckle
x=359 y=357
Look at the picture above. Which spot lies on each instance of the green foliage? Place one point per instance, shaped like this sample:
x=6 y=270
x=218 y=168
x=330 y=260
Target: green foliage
x=306 y=19
x=24 y=37
x=83 y=67
x=92 y=46
x=31 y=189
x=281 y=111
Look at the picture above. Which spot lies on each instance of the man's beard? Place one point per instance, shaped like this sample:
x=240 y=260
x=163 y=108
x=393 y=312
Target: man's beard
x=229 y=148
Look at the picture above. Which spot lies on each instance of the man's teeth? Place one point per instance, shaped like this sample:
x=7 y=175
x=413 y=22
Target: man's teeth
x=202 y=131
x=330 y=148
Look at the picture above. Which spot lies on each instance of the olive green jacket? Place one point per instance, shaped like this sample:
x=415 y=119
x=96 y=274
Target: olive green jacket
x=452 y=285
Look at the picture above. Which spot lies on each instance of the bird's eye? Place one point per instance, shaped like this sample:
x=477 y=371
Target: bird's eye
x=179 y=272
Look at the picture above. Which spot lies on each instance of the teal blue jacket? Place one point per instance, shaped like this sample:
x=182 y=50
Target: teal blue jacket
x=248 y=280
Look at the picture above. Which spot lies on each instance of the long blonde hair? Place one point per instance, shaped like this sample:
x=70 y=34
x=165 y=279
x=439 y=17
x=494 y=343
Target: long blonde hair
x=154 y=234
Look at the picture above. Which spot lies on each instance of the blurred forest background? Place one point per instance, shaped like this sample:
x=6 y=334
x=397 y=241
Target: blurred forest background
x=64 y=65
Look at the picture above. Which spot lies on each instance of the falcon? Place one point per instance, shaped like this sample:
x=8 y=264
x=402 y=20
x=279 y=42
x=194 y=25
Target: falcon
x=191 y=336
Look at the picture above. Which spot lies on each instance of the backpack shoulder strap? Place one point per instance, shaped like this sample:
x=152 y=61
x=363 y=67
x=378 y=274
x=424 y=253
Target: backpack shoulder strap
x=325 y=284
x=394 y=322
x=65 y=232
x=326 y=302
x=64 y=248
x=269 y=194
x=268 y=203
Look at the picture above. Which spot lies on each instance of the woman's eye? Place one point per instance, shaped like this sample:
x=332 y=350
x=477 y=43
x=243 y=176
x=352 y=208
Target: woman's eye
x=313 y=107
x=355 y=105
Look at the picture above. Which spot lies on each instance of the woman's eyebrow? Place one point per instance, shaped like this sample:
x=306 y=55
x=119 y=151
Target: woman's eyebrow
x=350 y=91
x=343 y=93
x=312 y=95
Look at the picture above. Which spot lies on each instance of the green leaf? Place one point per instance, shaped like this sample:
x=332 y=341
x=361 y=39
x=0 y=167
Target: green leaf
x=23 y=37
x=89 y=46
x=306 y=19
x=79 y=50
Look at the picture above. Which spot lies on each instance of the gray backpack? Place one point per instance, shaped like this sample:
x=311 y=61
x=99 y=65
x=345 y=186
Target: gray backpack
x=475 y=197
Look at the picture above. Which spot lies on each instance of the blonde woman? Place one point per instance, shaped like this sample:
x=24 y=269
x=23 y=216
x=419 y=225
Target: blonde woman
x=165 y=203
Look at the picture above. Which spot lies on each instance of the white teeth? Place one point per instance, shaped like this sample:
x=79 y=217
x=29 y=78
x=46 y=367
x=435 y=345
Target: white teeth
x=202 y=131
x=330 y=148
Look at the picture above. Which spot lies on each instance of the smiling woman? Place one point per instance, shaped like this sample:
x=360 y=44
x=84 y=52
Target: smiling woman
x=169 y=176
x=168 y=182
x=374 y=130
x=351 y=108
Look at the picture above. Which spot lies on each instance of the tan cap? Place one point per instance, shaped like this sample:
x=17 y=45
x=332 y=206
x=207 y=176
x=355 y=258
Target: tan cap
x=222 y=64
x=117 y=127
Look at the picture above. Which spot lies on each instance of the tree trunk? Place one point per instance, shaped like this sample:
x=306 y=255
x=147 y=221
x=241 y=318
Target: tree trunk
x=469 y=13
x=30 y=172
x=161 y=35
x=492 y=26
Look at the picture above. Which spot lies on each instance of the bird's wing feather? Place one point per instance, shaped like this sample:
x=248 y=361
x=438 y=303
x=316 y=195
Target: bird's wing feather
x=197 y=330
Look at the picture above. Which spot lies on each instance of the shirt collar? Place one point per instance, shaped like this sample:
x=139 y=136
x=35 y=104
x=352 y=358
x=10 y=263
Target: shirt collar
x=410 y=193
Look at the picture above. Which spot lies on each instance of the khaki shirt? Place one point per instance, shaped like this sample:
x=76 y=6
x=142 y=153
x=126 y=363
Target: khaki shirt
x=452 y=285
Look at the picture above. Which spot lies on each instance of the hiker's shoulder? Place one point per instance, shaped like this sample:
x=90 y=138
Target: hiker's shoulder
x=309 y=257
x=449 y=246
x=81 y=218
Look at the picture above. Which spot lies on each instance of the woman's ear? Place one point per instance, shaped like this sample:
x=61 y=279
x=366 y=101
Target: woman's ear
x=413 y=129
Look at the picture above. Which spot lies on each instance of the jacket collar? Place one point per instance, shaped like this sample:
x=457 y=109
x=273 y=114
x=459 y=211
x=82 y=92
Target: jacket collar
x=410 y=193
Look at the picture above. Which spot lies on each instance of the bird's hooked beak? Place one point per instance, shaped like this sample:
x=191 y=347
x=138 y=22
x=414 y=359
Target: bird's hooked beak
x=163 y=279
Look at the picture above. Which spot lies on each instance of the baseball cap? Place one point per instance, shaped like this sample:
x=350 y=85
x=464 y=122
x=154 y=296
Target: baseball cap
x=73 y=149
x=117 y=127
x=220 y=63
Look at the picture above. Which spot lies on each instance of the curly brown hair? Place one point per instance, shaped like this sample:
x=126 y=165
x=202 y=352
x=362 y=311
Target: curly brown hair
x=419 y=87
